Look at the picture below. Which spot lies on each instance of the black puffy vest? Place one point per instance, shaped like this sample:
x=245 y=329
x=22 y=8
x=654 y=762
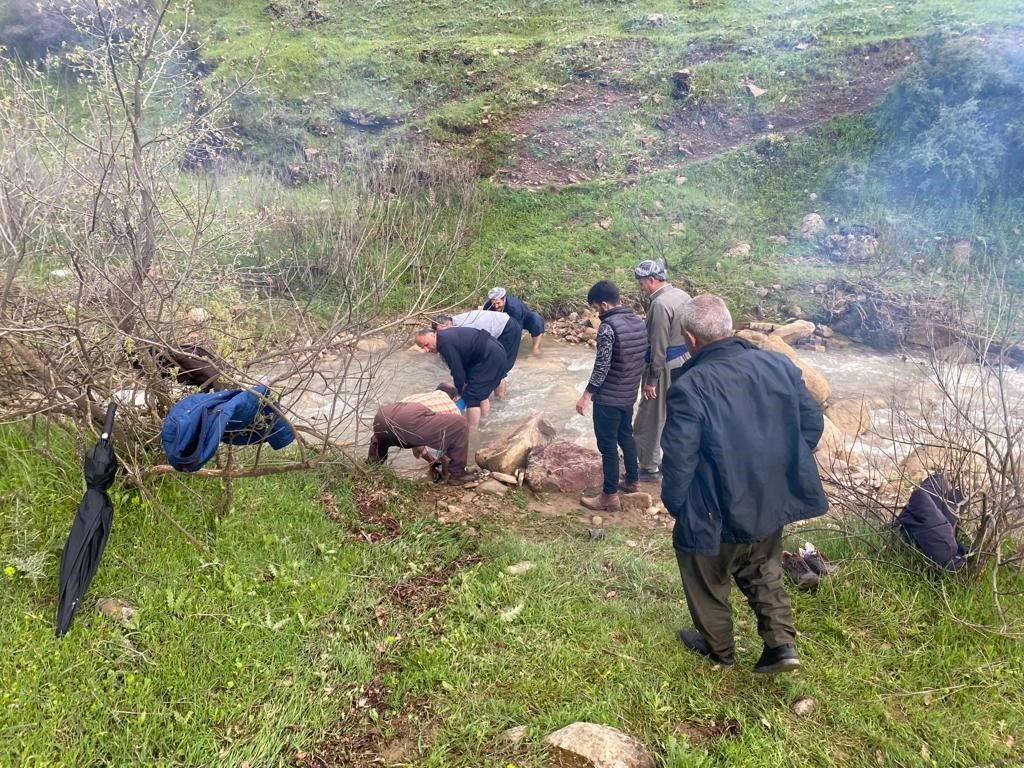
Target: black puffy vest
x=623 y=381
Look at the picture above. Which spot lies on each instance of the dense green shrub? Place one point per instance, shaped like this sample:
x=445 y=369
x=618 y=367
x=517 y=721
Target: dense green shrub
x=953 y=128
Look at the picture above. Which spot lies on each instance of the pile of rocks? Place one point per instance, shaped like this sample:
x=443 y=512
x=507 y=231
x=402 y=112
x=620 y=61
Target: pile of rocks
x=576 y=327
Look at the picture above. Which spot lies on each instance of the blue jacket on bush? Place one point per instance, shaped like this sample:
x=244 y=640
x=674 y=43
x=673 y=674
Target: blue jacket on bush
x=196 y=425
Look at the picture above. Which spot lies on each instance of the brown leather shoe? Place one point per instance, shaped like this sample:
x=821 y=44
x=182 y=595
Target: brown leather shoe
x=629 y=487
x=603 y=502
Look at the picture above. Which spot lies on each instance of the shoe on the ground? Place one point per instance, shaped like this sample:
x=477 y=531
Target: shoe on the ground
x=774 y=660
x=695 y=642
x=603 y=502
x=627 y=487
x=468 y=476
x=817 y=561
x=650 y=474
x=799 y=571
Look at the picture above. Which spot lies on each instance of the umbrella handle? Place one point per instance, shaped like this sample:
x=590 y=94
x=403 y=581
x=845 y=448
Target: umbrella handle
x=108 y=425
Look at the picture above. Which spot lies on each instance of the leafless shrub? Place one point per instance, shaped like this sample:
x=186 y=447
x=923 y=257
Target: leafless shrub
x=123 y=274
x=965 y=419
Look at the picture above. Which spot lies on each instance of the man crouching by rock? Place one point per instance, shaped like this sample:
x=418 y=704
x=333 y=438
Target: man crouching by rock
x=738 y=466
x=422 y=422
x=613 y=387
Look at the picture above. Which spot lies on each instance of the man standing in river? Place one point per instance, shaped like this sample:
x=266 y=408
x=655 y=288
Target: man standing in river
x=666 y=352
x=618 y=366
x=476 y=361
x=499 y=300
x=503 y=328
x=739 y=465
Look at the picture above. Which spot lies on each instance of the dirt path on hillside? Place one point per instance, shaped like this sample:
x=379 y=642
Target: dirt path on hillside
x=586 y=133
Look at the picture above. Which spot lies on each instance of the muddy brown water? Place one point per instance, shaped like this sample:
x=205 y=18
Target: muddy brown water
x=552 y=382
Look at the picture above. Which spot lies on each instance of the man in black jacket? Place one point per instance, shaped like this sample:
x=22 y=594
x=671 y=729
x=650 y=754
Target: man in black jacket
x=738 y=461
x=476 y=361
x=613 y=386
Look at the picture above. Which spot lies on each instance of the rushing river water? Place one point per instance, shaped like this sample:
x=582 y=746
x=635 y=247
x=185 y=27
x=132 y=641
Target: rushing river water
x=552 y=382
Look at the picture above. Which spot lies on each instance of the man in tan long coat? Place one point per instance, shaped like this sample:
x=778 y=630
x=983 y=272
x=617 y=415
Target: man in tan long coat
x=667 y=352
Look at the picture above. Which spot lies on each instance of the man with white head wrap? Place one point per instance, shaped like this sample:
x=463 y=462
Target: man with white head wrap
x=667 y=352
x=499 y=300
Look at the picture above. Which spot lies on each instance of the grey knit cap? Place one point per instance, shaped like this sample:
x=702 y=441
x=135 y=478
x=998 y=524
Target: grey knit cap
x=651 y=268
x=495 y=293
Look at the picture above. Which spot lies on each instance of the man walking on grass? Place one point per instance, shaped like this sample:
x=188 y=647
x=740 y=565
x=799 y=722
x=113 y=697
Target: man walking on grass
x=667 y=353
x=613 y=386
x=738 y=466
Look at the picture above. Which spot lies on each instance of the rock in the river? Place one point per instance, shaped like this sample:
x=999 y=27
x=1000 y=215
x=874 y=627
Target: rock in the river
x=508 y=452
x=832 y=446
x=588 y=745
x=813 y=378
x=811 y=225
x=798 y=329
x=851 y=416
x=563 y=467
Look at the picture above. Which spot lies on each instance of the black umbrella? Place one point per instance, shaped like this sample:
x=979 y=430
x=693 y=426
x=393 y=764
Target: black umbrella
x=89 y=532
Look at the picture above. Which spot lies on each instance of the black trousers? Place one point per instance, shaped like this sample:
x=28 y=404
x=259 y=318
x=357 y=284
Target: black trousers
x=613 y=427
x=757 y=570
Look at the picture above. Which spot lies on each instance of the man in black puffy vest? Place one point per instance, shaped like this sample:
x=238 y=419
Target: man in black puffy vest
x=613 y=387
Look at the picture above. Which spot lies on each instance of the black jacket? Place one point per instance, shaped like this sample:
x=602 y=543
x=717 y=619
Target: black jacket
x=472 y=355
x=738 y=447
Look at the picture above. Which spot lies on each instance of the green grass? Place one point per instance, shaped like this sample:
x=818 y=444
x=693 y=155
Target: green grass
x=290 y=637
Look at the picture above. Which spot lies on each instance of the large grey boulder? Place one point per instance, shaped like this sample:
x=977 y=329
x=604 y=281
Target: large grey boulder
x=588 y=745
x=510 y=450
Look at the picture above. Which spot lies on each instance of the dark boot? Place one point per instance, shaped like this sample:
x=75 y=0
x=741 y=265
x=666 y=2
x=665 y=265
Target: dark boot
x=627 y=487
x=781 y=659
x=799 y=571
x=695 y=642
x=603 y=502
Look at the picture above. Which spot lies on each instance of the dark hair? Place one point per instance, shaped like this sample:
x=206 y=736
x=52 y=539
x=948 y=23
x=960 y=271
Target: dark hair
x=605 y=290
x=449 y=390
x=440 y=320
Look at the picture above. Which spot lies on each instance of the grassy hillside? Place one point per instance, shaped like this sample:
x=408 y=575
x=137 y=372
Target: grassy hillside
x=337 y=623
x=595 y=153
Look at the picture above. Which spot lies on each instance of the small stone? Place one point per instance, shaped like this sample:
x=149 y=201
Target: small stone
x=518 y=569
x=596 y=519
x=492 y=487
x=811 y=225
x=754 y=91
x=514 y=735
x=635 y=501
x=114 y=608
x=589 y=745
x=60 y=274
x=198 y=315
x=742 y=250
x=803 y=706
x=501 y=477
x=632 y=543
